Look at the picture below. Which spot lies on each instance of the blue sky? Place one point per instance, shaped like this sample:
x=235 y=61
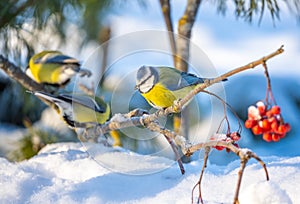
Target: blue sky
x=227 y=41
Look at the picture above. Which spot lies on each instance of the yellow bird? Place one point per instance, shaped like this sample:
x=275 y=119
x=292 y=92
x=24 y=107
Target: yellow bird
x=77 y=110
x=161 y=86
x=54 y=68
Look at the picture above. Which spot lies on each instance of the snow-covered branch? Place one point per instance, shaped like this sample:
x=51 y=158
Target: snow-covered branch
x=140 y=117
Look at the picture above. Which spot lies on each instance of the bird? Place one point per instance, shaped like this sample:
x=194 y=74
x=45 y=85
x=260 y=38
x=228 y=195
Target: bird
x=77 y=110
x=54 y=68
x=161 y=86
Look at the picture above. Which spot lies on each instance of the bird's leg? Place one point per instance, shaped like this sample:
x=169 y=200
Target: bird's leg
x=177 y=107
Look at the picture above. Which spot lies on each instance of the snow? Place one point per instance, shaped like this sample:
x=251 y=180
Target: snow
x=92 y=173
x=65 y=173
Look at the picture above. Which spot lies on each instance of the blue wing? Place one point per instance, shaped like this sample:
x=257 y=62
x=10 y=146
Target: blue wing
x=83 y=100
x=56 y=58
x=174 y=79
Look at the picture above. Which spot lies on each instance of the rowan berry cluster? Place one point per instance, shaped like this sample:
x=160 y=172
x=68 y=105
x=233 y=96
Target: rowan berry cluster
x=233 y=137
x=267 y=121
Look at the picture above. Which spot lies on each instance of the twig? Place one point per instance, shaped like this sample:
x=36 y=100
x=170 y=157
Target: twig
x=185 y=25
x=177 y=155
x=271 y=100
x=17 y=74
x=166 y=10
x=207 y=150
x=225 y=105
x=104 y=36
x=87 y=90
x=244 y=155
x=207 y=83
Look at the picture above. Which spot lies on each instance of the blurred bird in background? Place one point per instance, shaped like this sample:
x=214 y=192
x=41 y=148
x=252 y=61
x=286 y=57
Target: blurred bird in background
x=54 y=68
x=79 y=111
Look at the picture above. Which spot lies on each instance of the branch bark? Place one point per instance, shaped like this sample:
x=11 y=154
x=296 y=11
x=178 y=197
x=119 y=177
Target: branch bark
x=166 y=10
x=185 y=25
x=17 y=74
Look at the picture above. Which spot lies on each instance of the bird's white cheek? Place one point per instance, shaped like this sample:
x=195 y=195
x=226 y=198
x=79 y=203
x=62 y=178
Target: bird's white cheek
x=66 y=75
x=145 y=88
x=69 y=71
x=29 y=73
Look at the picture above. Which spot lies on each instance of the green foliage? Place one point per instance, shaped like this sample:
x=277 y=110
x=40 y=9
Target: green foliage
x=247 y=9
x=21 y=22
x=17 y=104
x=33 y=141
x=31 y=144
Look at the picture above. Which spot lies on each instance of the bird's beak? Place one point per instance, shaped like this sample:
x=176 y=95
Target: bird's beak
x=136 y=87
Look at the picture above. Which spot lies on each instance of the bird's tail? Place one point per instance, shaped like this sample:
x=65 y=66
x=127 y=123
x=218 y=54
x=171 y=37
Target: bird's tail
x=46 y=96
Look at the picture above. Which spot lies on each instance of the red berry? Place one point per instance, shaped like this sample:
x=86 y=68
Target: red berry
x=250 y=123
x=257 y=130
x=219 y=148
x=253 y=112
x=275 y=137
x=269 y=114
x=235 y=136
x=267 y=136
x=274 y=125
x=287 y=127
x=275 y=110
x=261 y=110
x=261 y=107
x=281 y=129
x=281 y=135
x=266 y=125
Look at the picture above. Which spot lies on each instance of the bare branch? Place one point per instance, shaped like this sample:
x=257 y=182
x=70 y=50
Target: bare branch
x=179 y=104
x=207 y=150
x=142 y=118
x=185 y=25
x=244 y=154
x=17 y=74
x=166 y=10
x=104 y=36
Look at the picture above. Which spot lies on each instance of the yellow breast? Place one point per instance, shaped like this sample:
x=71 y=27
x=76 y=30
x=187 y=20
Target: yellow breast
x=45 y=73
x=85 y=115
x=159 y=96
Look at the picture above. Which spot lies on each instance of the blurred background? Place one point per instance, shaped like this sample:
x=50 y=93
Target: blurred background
x=121 y=36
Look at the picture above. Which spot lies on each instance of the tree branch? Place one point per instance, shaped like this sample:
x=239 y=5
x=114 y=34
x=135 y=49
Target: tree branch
x=166 y=10
x=179 y=104
x=142 y=118
x=185 y=25
x=17 y=74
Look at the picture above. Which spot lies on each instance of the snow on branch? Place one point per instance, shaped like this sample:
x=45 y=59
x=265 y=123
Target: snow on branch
x=140 y=117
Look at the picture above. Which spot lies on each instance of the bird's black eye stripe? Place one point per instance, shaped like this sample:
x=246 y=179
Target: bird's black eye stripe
x=144 y=81
x=69 y=121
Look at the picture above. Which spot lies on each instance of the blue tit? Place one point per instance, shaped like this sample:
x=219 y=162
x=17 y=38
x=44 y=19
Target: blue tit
x=78 y=110
x=54 y=68
x=161 y=86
